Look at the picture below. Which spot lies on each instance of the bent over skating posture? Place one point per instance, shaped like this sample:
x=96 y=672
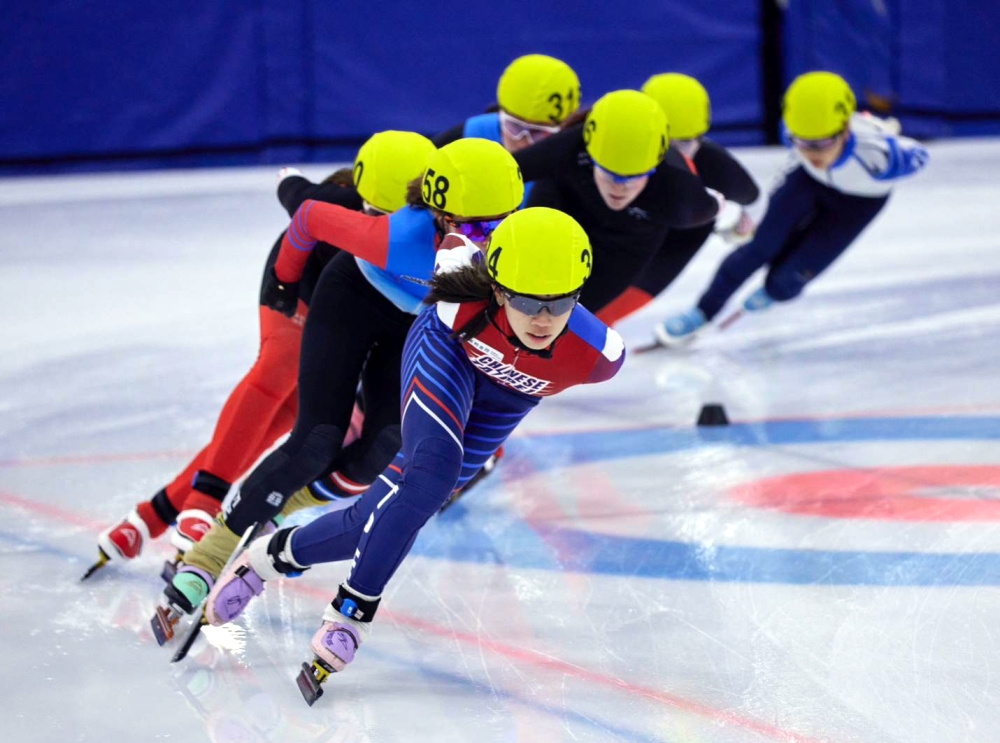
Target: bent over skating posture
x=362 y=308
x=501 y=335
x=843 y=170
x=263 y=405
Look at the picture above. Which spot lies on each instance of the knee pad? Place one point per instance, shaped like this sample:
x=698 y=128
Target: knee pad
x=430 y=474
x=285 y=471
x=784 y=284
x=364 y=461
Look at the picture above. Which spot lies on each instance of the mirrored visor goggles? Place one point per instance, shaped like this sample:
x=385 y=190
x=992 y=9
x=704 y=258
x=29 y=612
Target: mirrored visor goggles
x=816 y=145
x=519 y=130
x=476 y=230
x=623 y=178
x=529 y=305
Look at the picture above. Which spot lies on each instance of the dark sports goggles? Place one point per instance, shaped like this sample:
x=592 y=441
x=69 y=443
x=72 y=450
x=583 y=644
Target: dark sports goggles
x=529 y=305
x=816 y=145
x=476 y=230
x=623 y=178
x=517 y=129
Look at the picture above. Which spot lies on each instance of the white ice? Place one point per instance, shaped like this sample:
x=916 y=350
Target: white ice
x=826 y=568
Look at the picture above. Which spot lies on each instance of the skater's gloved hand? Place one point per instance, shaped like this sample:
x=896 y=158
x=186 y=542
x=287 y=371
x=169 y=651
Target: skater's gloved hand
x=719 y=198
x=456 y=252
x=741 y=232
x=288 y=172
x=279 y=295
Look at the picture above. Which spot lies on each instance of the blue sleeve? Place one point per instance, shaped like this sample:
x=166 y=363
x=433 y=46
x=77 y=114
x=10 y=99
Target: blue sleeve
x=484 y=126
x=585 y=325
x=905 y=158
x=412 y=237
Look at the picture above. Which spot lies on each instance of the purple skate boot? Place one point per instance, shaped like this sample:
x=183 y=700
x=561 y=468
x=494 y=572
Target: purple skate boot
x=346 y=624
x=266 y=558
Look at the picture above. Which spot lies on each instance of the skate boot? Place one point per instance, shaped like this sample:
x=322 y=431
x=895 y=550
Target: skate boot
x=182 y=596
x=192 y=526
x=346 y=624
x=266 y=558
x=759 y=300
x=126 y=539
x=681 y=329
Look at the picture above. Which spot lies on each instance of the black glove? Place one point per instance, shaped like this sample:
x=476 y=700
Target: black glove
x=279 y=295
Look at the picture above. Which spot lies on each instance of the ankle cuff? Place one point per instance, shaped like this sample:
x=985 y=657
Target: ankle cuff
x=354 y=605
x=211 y=485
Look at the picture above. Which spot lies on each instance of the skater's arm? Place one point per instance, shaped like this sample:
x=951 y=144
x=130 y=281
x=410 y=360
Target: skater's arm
x=359 y=234
x=449 y=135
x=904 y=157
x=551 y=157
x=295 y=188
x=723 y=172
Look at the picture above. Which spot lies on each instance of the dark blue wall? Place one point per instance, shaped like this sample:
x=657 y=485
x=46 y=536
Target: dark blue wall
x=932 y=63
x=125 y=84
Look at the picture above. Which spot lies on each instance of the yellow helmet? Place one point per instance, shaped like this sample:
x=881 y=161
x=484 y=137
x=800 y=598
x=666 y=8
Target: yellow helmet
x=626 y=133
x=386 y=164
x=685 y=102
x=817 y=105
x=539 y=251
x=539 y=89
x=472 y=178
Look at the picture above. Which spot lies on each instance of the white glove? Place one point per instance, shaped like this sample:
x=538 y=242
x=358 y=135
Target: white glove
x=871 y=122
x=464 y=253
x=741 y=232
x=288 y=172
x=718 y=197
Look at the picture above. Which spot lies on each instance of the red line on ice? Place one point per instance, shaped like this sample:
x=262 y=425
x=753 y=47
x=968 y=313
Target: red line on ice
x=57 y=460
x=522 y=655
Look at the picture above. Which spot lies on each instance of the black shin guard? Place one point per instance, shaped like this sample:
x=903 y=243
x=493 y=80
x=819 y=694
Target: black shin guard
x=268 y=487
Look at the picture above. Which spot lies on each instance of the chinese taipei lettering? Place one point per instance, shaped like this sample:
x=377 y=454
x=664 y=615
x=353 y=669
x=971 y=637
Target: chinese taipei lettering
x=509 y=376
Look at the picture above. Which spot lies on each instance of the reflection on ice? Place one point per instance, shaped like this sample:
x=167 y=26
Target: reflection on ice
x=824 y=569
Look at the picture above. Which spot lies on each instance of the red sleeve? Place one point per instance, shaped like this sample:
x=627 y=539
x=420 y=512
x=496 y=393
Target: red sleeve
x=605 y=368
x=356 y=233
x=629 y=301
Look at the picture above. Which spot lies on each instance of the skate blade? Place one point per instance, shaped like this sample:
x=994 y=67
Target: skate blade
x=192 y=634
x=731 y=319
x=310 y=680
x=163 y=623
x=647 y=347
x=102 y=560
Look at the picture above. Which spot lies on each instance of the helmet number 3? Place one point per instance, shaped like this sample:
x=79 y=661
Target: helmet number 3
x=435 y=188
x=559 y=112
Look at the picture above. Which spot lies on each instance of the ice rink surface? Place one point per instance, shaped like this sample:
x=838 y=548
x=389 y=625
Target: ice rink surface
x=826 y=568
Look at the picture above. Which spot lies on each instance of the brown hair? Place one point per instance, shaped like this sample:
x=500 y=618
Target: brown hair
x=414 y=196
x=343 y=178
x=467 y=284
